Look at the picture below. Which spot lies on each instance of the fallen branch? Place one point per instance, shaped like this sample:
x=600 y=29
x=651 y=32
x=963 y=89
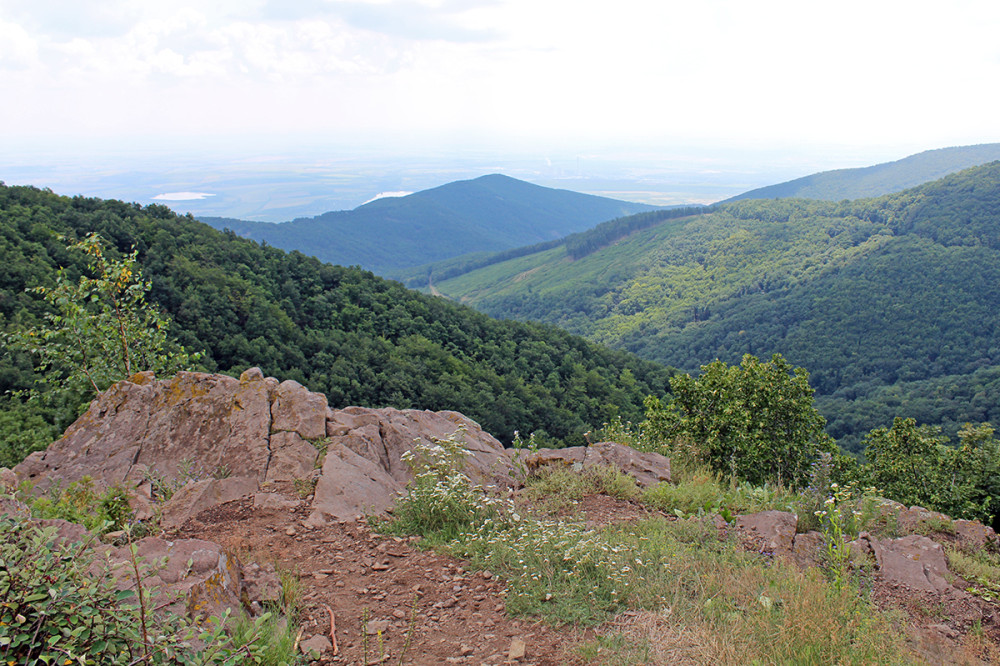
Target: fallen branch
x=333 y=630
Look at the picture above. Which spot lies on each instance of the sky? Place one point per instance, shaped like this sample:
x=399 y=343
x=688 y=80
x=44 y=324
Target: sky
x=854 y=81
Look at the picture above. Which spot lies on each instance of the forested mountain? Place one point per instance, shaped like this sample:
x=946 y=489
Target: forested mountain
x=879 y=179
x=892 y=304
x=489 y=213
x=357 y=338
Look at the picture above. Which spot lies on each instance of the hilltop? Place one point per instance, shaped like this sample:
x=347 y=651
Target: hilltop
x=890 y=303
x=879 y=179
x=489 y=213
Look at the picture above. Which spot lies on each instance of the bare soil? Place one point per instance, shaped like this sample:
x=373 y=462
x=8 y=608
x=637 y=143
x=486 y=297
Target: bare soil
x=394 y=603
x=429 y=607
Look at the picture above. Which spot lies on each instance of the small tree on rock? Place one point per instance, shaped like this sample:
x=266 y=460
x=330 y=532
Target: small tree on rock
x=101 y=328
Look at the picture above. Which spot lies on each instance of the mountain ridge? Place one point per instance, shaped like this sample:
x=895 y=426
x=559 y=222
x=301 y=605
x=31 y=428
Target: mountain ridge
x=863 y=294
x=878 y=179
x=492 y=212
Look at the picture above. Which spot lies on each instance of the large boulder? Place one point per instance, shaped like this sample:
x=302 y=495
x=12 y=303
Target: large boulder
x=195 y=497
x=775 y=529
x=914 y=562
x=364 y=470
x=188 y=576
x=646 y=468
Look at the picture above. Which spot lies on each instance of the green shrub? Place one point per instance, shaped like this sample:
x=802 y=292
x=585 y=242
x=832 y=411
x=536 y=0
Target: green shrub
x=754 y=422
x=56 y=611
x=81 y=503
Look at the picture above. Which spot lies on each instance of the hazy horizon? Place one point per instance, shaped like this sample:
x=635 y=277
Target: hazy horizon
x=275 y=182
x=326 y=103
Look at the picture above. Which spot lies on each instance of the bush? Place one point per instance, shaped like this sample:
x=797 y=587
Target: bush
x=81 y=503
x=53 y=609
x=56 y=611
x=754 y=422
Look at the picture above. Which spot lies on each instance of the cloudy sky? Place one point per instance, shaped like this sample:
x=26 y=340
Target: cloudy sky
x=907 y=73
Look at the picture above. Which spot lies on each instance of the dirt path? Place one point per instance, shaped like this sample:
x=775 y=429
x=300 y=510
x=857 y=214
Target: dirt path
x=422 y=602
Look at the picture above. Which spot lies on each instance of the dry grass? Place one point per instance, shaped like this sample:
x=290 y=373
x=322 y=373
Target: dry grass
x=712 y=602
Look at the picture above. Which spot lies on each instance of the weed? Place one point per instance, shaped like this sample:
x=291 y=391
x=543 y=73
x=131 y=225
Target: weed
x=980 y=568
x=936 y=525
x=560 y=486
x=837 y=519
x=441 y=503
x=81 y=502
x=364 y=634
x=410 y=628
x=222 y=471
x=615 y=649
x=304 y=487
x=322 y=445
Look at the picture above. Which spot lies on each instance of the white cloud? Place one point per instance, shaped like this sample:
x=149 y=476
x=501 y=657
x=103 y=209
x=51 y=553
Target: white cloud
x=17 y=48
x=852 y=71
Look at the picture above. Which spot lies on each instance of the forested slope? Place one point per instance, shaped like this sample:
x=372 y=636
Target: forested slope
x=879 y=179
x=868 y=295
x=353 y=336
x=489 y=213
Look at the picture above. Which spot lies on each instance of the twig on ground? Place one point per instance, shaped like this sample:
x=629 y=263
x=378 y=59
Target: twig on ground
x=333 y=630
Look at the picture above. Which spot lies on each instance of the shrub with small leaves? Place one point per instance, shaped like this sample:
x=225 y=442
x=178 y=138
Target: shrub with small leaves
x=53 y=611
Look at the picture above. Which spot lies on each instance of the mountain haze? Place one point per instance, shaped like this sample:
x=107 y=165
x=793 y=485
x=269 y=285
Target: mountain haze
x=489 y=213
x=879 y=179
x=875 y=297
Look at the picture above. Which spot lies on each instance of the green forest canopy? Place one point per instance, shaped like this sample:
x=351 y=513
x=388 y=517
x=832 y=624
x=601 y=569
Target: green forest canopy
x=359 y=339
x=878 y=298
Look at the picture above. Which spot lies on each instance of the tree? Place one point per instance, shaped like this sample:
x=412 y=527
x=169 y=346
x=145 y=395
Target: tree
x=101 y=328
x=907 y=462
x=755 y=422
x=915 y=465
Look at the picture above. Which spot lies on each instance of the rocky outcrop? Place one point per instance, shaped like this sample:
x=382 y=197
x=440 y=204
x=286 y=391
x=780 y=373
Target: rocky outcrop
x=364 y=471
x=197 y=496
x=647 y=469
x=188 y=576
x=216 y=438
x=915 y=562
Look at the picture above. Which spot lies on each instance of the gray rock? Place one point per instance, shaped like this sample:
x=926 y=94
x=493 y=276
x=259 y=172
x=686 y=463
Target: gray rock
x=291 y=457
x=351 y=484
x=189 y=576
x=8 y=480
x=296 y=409
x=914 y=561
x=13 y=508
x=807 y=549
x=274 y=502
x=316 y=646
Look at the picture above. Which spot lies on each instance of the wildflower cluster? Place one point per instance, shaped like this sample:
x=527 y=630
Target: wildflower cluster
x=557 y=569
x=441 y=502
x=563 y=571
x=841 y=518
